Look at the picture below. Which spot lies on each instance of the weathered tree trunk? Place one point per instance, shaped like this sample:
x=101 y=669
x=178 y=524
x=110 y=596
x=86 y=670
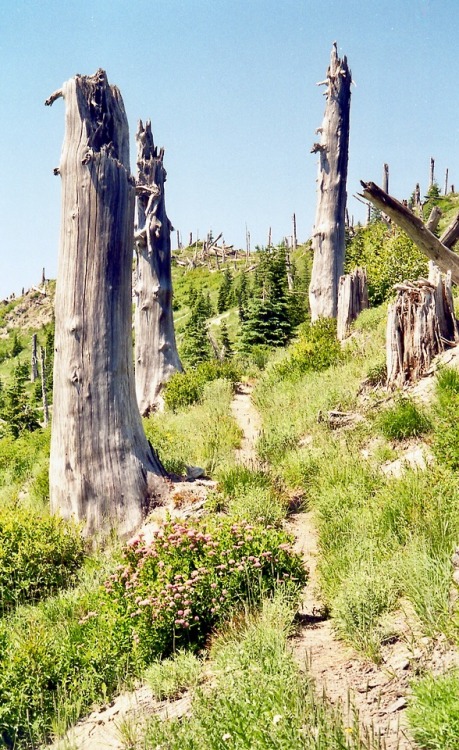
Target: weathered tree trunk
x=102 y=468
x=44 y=394
x=432 y=172
x=156 y=356
x=386 y=178
x=434 y=218
x=294 y=237
x=446 y=182
x=329 y=232
x=352 y=299
x=451 y=234
x=430 y=245
x=34 y=360
x=420 y=324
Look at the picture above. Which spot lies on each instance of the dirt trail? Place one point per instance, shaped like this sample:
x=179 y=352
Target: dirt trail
x=377 y=694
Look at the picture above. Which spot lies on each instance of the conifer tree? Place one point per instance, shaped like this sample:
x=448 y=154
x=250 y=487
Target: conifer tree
x=225 y=341
x=196 y=347
x=17 y=409
x=225 y=292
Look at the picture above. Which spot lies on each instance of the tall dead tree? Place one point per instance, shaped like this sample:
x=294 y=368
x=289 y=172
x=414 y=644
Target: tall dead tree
x=156 y=356
x=34 y=360
x=102 y=470
x=328 y=240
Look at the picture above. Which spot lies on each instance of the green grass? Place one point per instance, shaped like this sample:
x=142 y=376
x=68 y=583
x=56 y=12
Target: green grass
x=433 y=712
x=168 y=679
x=403 y=420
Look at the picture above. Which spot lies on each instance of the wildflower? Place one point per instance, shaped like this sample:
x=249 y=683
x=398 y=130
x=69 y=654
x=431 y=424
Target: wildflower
x=277 y=718
x=226 y=737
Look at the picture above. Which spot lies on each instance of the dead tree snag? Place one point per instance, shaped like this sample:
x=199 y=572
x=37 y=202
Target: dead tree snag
x=156 y=356
x=352 y=299
x=329 y=231
x=102 y=468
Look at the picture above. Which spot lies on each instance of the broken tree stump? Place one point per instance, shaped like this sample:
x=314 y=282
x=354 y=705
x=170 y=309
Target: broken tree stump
x=352 y=299
x=420 y=324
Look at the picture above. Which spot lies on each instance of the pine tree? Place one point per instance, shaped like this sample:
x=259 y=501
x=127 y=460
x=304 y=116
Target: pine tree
x=16 y=408
x=268 y=318
x=242 y=297
x=225 y=341
x=225 y=293
x=196 y=346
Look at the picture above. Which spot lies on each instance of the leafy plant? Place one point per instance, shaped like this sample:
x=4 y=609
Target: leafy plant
x=173 y=591
x=185 y=388
x=38 y=556
x=316 y=349
x=403 y=420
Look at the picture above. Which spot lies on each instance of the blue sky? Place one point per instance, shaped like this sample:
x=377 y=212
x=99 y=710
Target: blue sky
x=230 y=88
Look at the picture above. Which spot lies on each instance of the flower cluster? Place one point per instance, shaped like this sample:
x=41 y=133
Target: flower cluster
x=175 y=589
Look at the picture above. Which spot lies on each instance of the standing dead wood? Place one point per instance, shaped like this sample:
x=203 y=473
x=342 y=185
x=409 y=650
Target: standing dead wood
x=386 y=178
x=34 y=360
x=329 y=230
x=451 y=234
x=432 y=172
x=434 y=218
x=102 y=468
x=294 y=239
x=430 y=245
x=352 y=299
x=156 y=355
x=44 y=393
x=420 y=324
x=446 y=182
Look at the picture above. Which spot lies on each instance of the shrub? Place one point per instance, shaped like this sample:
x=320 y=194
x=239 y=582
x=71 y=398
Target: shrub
x=433 y=712
x=403 y=420
x=185 y=388
x=388 y=256
x=173 y=591
x=316 y=349
x=38 y=555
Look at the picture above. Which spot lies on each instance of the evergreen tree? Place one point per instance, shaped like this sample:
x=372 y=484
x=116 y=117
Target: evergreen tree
x=225 y=341
x=268 y=318
x=17 y=409
x=242 y=297
x=16 y=346
x=225 y=293
x=196 y=346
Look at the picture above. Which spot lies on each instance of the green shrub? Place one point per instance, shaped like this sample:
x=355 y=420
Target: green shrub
x=173 y=591
x=316 y=349
x=185 y=388
x=38 y=555
x=433 y=712
x=403 y=420
x=388 y=256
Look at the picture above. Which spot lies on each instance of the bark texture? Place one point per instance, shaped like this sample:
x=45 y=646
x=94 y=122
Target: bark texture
x=430 y=245
x=329 y=231
x=156 y=355
x=103 y=470
x=420 y=324
x=352 y=299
